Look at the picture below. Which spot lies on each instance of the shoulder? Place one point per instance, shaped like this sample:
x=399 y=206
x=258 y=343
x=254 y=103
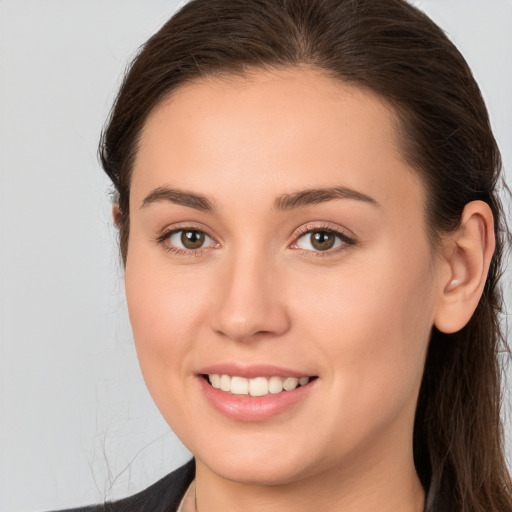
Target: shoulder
x=163 y=496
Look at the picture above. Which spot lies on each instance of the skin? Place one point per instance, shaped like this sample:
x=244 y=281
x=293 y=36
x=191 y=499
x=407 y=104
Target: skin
x=357 y=316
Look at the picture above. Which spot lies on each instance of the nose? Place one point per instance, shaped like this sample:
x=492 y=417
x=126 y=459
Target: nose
x=249 y=303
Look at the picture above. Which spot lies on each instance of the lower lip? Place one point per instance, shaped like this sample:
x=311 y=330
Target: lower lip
x=247 y=408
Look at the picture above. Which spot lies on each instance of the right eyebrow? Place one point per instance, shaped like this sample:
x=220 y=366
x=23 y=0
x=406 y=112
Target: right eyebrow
x=181 y=197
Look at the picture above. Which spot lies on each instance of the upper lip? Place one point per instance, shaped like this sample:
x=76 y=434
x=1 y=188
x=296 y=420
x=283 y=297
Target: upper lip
x=251 y=371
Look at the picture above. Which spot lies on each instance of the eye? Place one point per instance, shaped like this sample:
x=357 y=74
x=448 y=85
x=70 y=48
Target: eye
x=188 y=239
x=184 y=240
x=321 y=240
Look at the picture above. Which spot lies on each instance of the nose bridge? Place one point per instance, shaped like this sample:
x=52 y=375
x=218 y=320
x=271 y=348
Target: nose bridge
x=249 y=303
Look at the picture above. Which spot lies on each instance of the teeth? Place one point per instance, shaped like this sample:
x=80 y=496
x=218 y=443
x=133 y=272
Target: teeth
x=225 y=383
x=215 y=381
x=239 y=386
x=275 y=385
x=290 y=383
x=259 y=386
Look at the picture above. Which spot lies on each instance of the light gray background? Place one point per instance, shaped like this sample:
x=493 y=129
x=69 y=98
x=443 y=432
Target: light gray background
x=77 y=425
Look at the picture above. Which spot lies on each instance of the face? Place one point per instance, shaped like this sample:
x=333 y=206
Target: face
x=278 y=239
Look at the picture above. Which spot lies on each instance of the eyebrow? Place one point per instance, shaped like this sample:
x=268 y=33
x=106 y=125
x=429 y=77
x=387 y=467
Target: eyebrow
x=190 y=199
x=283 y=203
x=320 y=195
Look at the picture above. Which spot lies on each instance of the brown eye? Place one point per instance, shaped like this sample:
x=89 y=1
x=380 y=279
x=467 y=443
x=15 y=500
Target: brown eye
x=188 y=240
x=192 y=239
x=322 y=240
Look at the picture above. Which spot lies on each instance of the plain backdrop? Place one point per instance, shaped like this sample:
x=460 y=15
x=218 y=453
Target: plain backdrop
x=77 y=425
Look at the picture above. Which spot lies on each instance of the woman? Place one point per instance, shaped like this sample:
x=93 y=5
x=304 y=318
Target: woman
x=312 y=238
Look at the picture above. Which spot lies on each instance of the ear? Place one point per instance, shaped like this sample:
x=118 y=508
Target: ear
x=467 y=254
x=116 y=214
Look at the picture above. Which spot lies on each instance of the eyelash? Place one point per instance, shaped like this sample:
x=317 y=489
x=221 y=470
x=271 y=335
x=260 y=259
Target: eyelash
x=345 y=240
x=163 y=240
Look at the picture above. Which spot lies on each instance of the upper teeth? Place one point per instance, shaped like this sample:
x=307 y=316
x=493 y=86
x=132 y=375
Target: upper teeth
x=259 y=386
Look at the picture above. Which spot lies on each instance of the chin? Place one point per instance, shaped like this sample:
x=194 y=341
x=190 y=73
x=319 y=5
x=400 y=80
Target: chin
x=257 y=463
x=266 y=472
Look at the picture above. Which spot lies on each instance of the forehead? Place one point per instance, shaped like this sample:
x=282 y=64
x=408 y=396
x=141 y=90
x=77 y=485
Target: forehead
x=282 y=130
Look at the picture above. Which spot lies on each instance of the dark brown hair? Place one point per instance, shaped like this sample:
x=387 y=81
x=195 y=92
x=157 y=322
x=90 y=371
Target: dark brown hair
x=396 y=51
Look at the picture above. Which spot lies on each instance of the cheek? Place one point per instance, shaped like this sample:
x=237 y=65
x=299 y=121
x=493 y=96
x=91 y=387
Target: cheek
x=164 y=311
x=164 y=306
x=373 y=323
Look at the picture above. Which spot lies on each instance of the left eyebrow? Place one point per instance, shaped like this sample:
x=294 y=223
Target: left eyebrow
x=320 y=195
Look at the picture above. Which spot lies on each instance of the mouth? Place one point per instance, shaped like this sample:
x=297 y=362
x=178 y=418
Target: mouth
x=257 y=386
x=255 y=392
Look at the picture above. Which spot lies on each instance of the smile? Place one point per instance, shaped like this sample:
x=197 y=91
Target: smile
x=258 y=386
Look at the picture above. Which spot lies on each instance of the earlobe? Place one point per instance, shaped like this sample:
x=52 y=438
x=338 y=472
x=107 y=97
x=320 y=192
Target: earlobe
x=468 y=253
x=116 y=214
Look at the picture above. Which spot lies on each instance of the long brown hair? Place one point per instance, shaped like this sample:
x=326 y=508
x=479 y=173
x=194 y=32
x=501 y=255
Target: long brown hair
x=396 y=51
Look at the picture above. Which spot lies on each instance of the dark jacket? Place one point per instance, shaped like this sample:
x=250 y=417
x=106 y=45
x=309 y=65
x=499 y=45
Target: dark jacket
x=163 y=496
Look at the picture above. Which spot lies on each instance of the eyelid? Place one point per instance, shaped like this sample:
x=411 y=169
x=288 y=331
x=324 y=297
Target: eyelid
x=323 y=226
x=347 y=237
x=164 y=234
x=184 y=225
